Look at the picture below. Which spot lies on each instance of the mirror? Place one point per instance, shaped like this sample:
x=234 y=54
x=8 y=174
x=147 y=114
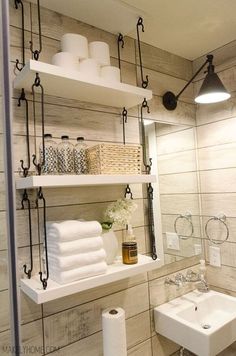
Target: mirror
x=176 y=161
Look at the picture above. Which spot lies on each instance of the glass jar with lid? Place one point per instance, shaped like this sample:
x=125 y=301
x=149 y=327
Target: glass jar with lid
x=80 y=156
x=48 y=157
x=65 y=156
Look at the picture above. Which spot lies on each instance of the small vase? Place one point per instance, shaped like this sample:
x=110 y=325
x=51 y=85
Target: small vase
x=110 y=245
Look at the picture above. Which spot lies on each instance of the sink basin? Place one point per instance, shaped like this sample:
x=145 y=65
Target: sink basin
x=204 y=323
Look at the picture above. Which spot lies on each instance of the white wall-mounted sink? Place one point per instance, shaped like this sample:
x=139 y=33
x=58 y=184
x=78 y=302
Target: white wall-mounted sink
x=204 y=323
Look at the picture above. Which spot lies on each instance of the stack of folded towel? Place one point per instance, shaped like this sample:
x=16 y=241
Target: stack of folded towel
x=75 y=250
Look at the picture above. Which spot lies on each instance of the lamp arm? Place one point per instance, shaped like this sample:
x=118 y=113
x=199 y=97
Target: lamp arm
x=189 y=82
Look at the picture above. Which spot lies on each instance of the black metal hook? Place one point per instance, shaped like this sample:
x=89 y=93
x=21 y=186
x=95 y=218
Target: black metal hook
x=151 y=221
x=37 y=52
x=120 y=43
x=17 y=3
x=27 y=167
x=25 y=198
x=128 y=192
x=40 y=196
x=124 y=121
x=140 y=24
x=37 y=84
x=143 y=137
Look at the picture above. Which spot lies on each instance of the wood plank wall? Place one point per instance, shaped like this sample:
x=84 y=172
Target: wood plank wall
x=216 y=141
x=74 y=323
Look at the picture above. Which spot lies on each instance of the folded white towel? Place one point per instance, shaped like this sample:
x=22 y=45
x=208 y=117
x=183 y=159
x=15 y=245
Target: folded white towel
x=74 y=247
x=74 y=261
x=78 y=273
x=73 y=229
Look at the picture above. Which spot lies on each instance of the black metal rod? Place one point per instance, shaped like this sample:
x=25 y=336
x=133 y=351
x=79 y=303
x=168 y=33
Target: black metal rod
x=120 y=43
x=37 y=84
x=17 y=3
x=143 y=137
x=37 y=52
x=27 y=167
x=14 y=304
x=26 y=199
x=151 y=221
x=140 y=24
x=124 y=121
x=194 y=76
x=40 y=196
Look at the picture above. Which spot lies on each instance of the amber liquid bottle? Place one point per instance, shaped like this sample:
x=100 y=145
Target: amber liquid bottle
x=129 y=248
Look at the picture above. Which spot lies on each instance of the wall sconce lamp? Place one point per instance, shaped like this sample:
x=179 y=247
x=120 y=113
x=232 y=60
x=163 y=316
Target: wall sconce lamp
x=211 y=91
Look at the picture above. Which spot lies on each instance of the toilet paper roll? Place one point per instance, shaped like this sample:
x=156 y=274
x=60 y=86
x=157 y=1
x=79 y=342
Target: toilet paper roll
x=65 y=60
x=100 y=52
x=110 y=73
x=89 y=67
x=75 y=44
x=114 y=332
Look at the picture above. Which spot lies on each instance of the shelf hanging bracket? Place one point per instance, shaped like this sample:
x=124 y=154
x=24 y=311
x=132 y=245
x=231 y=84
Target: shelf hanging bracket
x=25 y=198
x=37 y=84
x=128 y=192
x=120 y=44
x=17 y=3
x=144 y=81
x=124 y=121
x=40 y=197
x=27 y=167
x=143 y=137
x=36 y=52
x=151 y=221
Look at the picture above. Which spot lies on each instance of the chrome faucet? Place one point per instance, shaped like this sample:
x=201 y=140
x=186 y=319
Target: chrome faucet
x=178 y=280
x=191 y=277
x=201 y=283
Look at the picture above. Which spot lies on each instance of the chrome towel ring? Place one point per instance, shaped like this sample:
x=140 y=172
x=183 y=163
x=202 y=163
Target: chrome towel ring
x=222 y=219
x=188 y=218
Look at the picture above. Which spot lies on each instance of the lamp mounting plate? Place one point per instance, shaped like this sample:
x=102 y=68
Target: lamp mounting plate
x=169 y=100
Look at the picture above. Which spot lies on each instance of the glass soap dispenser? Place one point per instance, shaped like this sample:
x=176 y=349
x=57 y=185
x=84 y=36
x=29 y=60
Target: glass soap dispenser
x=65 y=156
x=49 y=163
x=80 y=156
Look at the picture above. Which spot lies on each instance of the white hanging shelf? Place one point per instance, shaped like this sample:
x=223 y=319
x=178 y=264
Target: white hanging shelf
x=57 y=181
x=115 y=272
x=58 y=81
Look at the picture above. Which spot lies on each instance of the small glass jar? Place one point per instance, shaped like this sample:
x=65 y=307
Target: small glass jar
x=48 y=161
x=65 y=156
x=129 y=252
x=80 y=157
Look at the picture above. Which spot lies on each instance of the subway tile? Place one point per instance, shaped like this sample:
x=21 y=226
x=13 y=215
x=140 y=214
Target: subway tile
x=176 y=142
x=177 y=162
x=221 y=132
x=179 y=183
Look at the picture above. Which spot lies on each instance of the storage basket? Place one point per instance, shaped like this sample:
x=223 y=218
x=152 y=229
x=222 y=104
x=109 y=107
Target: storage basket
x=114 y=159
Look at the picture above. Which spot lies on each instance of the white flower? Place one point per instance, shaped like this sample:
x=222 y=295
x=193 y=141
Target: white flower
x=120 y=212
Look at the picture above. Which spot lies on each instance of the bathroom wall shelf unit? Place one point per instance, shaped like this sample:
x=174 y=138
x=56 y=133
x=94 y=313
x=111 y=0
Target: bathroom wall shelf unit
x=117 y=271
x=69 y=84
x=54 y=181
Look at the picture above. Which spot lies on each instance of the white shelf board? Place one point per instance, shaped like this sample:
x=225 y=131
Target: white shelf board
x=115 y=272
x=56 y=181
x=58 y=81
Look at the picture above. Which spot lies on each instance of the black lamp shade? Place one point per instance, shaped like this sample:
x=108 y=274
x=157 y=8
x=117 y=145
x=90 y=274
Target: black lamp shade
x=212 y=90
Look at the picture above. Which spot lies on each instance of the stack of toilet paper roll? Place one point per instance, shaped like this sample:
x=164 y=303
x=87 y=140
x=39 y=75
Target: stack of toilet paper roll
x=114 y=332
x=92 y=59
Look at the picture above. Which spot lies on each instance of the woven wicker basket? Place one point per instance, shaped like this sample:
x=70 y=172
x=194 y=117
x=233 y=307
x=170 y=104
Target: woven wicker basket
x=114 y=159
